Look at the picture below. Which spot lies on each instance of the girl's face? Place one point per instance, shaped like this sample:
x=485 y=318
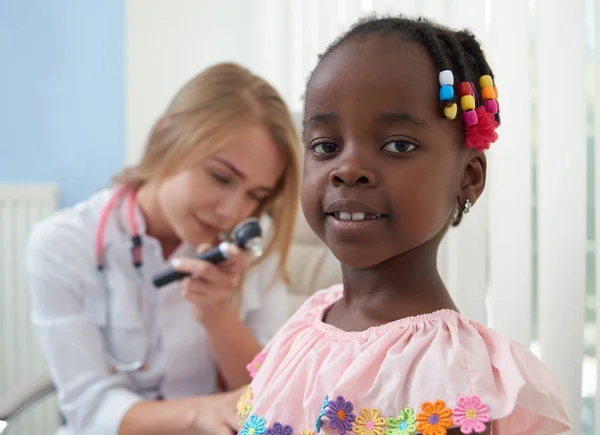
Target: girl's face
x=214 y=196
x=383 y=169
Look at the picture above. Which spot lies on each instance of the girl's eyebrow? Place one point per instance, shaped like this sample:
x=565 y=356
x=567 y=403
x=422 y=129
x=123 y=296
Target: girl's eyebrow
x=398 y=117
x=320 y=118
x=401 y=118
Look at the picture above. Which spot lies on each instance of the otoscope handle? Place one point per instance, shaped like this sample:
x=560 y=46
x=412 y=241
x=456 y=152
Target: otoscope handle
x=214 y=256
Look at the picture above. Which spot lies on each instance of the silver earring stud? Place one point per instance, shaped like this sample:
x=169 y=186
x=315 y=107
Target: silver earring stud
x=467 y=207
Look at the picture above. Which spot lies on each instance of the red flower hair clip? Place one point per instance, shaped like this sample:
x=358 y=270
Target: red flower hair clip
x=482 y=134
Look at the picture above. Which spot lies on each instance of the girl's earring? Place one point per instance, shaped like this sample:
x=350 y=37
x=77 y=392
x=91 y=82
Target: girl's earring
x=467 y=207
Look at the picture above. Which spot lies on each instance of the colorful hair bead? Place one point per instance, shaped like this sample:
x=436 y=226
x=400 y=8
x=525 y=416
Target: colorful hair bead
x=467 y=103
x=470 y=118
x=446 y=83
x=446 y=78
x=450 y=111
x=464 y=88
x=486 y=81
x=491 y=106
x=446 y=93
x=488 y=93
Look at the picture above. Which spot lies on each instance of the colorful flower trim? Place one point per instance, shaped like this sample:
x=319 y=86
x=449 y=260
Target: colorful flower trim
x=256 y=364
x=405 y=424
x=319 y=423
x=244 y=404
x=340 y=415
x=435 y=418
x=369 y=422
x=254 y=426
x=279 y=429
x=470 y=415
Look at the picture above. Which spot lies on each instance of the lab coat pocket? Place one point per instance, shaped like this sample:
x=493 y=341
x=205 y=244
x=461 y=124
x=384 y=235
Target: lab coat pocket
x=116 y=308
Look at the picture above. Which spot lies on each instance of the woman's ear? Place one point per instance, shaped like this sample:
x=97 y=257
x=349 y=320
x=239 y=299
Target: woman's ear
x=473 y=179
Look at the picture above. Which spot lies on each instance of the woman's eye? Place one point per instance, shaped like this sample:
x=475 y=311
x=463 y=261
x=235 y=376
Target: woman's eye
x=399 y=146
x=220 y=178
x=324 y=148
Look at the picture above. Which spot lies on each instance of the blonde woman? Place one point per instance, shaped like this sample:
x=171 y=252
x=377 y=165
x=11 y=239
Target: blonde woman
x=128 y=358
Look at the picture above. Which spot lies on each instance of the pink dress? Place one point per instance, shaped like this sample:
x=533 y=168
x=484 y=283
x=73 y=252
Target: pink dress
x=422 y=374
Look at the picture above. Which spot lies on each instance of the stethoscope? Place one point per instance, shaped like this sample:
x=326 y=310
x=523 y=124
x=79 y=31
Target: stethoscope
x=246 y=235
x=136 y=259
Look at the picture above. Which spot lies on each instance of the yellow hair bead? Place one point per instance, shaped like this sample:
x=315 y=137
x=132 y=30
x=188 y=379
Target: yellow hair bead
x=486 y=82
x=467 y=103
x=450 y=111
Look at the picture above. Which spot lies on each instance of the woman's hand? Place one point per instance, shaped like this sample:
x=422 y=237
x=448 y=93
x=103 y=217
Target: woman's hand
x=204 y=415
x=210 y=287
x=216 y=414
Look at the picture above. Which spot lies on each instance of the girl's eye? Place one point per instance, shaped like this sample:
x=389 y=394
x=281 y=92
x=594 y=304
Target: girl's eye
x=324 y=148
x=399 y=146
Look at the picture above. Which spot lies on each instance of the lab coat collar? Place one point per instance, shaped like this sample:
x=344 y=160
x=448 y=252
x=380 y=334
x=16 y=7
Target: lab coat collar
x=118 y=229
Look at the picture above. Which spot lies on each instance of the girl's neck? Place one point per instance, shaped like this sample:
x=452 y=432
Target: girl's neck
x=403 y=286
x=156 y=223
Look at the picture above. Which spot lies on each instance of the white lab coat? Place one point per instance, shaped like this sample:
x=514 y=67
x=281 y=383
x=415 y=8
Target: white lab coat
x=68 y=310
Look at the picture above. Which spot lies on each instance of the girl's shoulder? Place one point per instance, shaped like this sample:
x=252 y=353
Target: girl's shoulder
x=438 y=369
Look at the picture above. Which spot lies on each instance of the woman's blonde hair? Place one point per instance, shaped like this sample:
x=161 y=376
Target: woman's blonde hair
x=198 y=122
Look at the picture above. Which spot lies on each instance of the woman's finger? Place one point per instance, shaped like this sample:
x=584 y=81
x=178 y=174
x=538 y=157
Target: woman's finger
x=197 y=268
x=203 y=248
x=224 y=429
x=231 y=419
x=222 y=282
x=238 y=261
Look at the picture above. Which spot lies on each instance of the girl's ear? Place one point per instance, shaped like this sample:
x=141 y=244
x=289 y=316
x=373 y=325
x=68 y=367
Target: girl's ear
x=473 y=178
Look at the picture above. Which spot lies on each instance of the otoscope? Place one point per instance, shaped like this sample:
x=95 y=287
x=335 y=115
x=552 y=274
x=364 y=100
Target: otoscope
x=247 y=235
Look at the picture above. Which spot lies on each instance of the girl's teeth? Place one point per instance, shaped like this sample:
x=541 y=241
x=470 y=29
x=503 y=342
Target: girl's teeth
x=356 y=216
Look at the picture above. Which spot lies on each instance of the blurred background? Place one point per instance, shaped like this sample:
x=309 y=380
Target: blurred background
x=82 y=81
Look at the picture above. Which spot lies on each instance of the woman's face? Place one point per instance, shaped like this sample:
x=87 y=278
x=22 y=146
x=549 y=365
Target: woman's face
x=226 y=188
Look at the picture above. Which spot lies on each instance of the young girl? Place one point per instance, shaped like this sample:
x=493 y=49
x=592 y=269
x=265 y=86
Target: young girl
x=390 y=164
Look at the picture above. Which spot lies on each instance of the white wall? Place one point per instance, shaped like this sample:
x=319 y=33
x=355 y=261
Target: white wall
x=168 y=42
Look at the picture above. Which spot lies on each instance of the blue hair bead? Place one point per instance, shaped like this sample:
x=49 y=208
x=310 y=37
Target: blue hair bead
x=446 y=93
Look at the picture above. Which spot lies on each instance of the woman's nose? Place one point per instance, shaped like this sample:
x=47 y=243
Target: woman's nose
x=230 y=208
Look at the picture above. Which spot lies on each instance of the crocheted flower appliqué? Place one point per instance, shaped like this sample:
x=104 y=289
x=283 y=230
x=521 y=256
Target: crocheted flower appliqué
x=279 y=429
x=369 y=422
x=319 y=422
x=482 y=134
x=307 y=432
x=435 y=418
x=244 y=405
x=340 y=415
x=471 y=415
x=255 y=364
x=254 y=426
x=405 y=424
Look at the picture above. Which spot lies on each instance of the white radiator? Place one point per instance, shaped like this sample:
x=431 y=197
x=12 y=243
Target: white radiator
x=20 y=357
